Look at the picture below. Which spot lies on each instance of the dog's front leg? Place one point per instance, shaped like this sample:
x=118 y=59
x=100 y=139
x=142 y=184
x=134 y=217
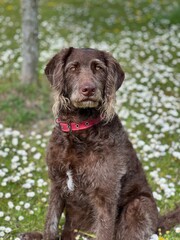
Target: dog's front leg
x=55 y=209
x=105 y=221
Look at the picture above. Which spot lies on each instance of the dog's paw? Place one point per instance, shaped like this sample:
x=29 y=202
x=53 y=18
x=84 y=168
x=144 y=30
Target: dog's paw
x=31 y=236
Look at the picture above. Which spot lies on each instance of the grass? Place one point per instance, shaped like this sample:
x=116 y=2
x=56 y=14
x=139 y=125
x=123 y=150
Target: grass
x=13 y=96
x=143 y=36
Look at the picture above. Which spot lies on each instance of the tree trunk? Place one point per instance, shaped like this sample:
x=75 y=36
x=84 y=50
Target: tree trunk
x=30 y=53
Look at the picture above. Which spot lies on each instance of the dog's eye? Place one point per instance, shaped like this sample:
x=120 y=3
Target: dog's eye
x=97 y=68
x=73 y=68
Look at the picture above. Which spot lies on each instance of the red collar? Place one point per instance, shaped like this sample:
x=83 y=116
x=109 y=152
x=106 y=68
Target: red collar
x=71 y=126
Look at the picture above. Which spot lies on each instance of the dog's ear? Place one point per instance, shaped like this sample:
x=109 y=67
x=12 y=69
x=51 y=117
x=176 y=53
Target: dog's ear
x=115 y=71
x=55 y=68
x=115 y=77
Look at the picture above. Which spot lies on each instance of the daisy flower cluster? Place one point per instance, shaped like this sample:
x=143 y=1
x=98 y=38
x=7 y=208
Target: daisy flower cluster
x=23 y=180
x=148 y=105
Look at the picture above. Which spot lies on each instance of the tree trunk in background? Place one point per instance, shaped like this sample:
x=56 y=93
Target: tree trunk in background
x=30 y=54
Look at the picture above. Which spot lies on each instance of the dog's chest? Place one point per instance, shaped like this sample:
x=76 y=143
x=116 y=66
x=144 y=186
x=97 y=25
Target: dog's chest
x=77 y=175
x=79 y=167
x=73 y=183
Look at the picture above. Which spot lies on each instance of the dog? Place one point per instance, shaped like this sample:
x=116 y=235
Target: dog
x=96 y=177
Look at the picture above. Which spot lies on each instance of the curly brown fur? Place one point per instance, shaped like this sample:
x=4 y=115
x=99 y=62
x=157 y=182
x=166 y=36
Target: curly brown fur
x=96 y=177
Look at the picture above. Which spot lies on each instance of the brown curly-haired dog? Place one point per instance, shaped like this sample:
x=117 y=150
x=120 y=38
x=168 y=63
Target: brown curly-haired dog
x=96 y=177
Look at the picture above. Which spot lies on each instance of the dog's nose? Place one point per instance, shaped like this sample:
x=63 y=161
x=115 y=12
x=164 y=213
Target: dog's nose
x=88 y=90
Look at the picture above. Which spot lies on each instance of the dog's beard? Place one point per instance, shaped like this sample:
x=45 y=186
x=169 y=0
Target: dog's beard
x=80 y=101
x=85 y=104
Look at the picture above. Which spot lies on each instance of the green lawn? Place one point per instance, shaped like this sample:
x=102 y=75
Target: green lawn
x=144 y=36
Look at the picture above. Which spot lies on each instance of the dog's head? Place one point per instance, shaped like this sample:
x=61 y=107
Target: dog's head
x=84 y=78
